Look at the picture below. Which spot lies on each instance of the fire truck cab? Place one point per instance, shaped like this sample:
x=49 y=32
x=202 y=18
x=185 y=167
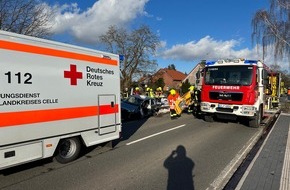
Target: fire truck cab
x=237 y=88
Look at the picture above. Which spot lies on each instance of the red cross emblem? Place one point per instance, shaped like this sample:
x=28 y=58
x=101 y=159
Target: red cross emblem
x=73 y=75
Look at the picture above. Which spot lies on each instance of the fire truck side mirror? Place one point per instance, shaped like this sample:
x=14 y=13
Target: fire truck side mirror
x=265 y=74
x=197 y=74
x=265 y=77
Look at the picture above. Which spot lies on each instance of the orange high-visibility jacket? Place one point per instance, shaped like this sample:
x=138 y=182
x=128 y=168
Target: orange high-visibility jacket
x=171 y=100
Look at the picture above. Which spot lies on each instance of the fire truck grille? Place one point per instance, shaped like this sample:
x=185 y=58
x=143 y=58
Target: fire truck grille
x=234 y=96
x=225 y=110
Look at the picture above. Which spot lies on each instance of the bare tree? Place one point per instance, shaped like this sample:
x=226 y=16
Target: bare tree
x=272 y=27
x=28 y=17
x=137 y=47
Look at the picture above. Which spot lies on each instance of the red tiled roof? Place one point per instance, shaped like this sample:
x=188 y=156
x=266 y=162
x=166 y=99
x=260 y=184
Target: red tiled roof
x=176 y=75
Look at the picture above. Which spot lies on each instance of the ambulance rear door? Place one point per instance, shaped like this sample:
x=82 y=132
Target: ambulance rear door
x=108 y=110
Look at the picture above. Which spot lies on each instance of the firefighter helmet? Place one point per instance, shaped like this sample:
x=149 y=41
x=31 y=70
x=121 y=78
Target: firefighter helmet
x=172 y=92
x=191 y=88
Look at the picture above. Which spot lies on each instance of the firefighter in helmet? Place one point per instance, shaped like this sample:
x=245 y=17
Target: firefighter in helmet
x=147 y=91
x=191 y=104
x=137 y=91
x=172 y=97
x=151 y=93
x=158 y=92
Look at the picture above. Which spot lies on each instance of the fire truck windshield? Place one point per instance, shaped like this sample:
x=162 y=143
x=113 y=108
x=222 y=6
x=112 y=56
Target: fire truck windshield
x=229 y=75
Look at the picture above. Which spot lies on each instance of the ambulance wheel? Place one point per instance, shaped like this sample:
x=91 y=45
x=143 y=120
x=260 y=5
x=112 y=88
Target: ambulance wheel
x=255 y=122
x=68 y=150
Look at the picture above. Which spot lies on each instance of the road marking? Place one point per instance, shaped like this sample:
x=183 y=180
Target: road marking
x=229 y=170
x=246 y=173
x=285 y=178
x=153 y=135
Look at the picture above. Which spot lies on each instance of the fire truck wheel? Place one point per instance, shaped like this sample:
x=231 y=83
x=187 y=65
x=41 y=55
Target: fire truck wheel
x=208 y=118
x=255 y=122
x=68 y=150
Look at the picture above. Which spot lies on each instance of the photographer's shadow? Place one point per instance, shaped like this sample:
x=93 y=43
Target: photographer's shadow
x=180 y=169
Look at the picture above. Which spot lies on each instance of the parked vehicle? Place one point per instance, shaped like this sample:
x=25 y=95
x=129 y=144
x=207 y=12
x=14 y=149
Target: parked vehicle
x=55 y=99
x=239 y=88
x=138 y=106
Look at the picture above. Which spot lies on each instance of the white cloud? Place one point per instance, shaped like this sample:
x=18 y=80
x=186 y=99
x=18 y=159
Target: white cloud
x=205 y=48
x=88 y=25
x=208 y=48
x=162 y=44
x=66 y=17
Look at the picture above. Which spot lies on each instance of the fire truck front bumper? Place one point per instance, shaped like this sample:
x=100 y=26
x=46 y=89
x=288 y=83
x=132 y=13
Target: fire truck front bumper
x=239 y=110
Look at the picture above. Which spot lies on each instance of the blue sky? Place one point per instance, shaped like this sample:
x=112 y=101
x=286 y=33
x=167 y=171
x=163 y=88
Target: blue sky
x=190 y=30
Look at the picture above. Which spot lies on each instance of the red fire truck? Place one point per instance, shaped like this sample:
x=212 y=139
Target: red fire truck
x=239 y=88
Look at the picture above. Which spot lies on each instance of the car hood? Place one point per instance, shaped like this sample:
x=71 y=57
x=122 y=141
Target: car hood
x=129 y=107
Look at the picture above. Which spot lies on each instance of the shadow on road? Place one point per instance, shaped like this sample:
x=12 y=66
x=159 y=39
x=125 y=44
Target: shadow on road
x=27 y=166
x=180 y=169
x=129 y=128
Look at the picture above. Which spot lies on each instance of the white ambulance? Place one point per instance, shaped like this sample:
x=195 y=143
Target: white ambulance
x=55 y=98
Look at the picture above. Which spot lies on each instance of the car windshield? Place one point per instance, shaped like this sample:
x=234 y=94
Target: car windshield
x=229 y=75
x=134 y=100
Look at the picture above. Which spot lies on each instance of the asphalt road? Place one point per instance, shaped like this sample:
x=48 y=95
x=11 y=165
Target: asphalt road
x=155 y=153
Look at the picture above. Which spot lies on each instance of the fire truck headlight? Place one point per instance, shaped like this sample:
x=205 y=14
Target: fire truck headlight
x=204 y=106
x=249 y=110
